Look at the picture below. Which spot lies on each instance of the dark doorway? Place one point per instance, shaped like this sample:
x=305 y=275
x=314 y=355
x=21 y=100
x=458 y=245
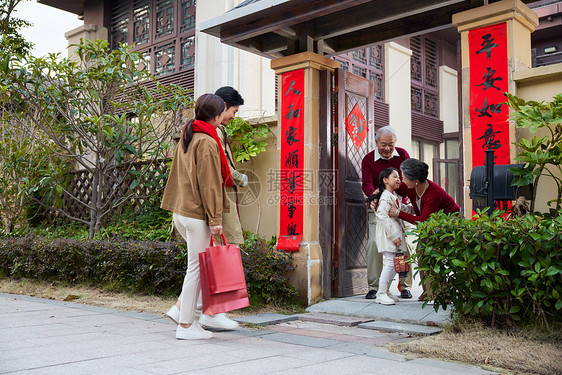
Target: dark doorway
x=354 y=101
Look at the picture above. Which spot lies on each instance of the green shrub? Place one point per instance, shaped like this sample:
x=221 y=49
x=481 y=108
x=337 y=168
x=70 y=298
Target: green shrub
x=73 y=230
x=267 y=270
x=136 y=266
x=494 y=269
x=150 y=223
x=149 y=267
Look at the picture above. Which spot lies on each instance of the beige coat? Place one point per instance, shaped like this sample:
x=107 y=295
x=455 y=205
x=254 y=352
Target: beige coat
x=231 y=221
x=194 y=188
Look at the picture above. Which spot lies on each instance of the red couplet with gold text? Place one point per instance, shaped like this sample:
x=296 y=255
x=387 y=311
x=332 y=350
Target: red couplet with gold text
x=291 y=176
x=488 y=83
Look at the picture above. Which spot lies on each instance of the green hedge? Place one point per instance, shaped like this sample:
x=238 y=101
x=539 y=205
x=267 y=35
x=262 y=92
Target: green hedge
x=138 y=266
x=267 y=271
x=494 y=269
x=148 y=267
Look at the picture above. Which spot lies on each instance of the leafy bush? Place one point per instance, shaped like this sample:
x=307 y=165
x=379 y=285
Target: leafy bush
x=267 y=270
x=247 y=140
x=494 y=269
x=151 y=223
x=150 y=267
x=136 y=266
x=542 y=156
x=73 y=230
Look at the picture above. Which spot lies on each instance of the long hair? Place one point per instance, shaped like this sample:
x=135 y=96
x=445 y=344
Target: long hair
x=382 y=187
x=208 y=106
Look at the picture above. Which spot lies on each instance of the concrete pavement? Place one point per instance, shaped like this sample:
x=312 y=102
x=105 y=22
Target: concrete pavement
x=40 y=336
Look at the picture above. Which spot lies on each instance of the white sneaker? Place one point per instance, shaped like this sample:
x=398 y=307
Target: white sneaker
x=218 y=321
x=394 y=298
x=174 y=314
x=384 y=299
x=194 y=332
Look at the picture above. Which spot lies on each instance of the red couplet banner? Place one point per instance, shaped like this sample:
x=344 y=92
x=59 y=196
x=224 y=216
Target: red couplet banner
x=292 y=159
x=488 y=83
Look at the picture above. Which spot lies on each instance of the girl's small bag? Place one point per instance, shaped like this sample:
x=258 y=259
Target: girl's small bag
x=400 y=265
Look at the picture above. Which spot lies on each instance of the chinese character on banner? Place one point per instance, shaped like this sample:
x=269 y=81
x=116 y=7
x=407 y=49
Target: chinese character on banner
x=356 y=126
x=292 y=149
x=488 y=83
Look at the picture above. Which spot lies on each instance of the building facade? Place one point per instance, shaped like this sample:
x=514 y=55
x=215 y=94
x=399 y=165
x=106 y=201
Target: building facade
x=418 y=89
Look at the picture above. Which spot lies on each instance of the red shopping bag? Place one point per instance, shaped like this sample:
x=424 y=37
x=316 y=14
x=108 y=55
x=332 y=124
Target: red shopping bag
x=225 y=272
x=219 y=302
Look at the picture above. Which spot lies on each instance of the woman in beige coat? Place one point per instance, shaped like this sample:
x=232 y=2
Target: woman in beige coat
x=195 y=193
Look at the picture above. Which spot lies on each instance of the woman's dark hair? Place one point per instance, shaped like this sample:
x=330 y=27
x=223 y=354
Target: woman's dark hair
x=382 y=187
x=414 y=169
x=208 y=106
x=230 y=96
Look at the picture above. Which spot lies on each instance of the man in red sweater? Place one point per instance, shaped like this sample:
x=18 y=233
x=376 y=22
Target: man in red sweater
x=385 y=155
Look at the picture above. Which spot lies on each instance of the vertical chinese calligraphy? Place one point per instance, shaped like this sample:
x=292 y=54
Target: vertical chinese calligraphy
x=488 y=83
x=292 y=149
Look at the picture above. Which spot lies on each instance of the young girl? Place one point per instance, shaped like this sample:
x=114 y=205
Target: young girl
x=390 y=230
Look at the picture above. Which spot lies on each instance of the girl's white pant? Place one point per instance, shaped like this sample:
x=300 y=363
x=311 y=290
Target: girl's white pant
x=198 y=236
x=388 y=272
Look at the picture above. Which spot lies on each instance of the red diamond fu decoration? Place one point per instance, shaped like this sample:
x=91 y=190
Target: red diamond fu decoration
x=356 y=126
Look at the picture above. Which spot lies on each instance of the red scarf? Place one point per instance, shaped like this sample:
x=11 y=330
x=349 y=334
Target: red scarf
x=203 y=127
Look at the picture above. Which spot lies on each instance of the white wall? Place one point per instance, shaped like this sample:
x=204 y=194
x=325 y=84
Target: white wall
x=397 y=91
x=217 y=65
x=449 y=99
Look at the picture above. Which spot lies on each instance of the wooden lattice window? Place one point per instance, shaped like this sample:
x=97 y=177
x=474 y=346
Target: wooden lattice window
x=367 y=63
x=424 y=75
x=162 y=30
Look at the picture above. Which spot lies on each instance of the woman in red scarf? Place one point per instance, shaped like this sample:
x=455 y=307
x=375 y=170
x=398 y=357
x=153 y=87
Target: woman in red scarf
x=195 y=193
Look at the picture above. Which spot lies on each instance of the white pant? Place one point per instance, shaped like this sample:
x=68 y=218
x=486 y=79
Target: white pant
x=198 y=236
x=388 y=272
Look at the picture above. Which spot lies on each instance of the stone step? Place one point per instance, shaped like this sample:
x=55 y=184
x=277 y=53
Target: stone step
x=266 y=319
x=411 y=329
x=340 y=320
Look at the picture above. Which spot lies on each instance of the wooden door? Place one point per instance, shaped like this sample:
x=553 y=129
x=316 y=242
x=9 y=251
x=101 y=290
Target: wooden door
x=355 y=102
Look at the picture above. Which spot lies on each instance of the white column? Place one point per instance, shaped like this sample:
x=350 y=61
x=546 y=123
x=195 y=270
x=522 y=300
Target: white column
x=449 y=99
x=86 y=32
x=397 y=91
x=217 y=65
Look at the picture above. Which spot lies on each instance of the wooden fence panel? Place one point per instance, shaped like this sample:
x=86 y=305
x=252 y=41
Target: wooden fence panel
x=80 y=186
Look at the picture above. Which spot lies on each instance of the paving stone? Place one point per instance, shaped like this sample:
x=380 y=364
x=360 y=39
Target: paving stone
x=340 y=320
x=367 y=350
x=314 y=342
x=266 y=319
x=406 y=311
x=412 y=329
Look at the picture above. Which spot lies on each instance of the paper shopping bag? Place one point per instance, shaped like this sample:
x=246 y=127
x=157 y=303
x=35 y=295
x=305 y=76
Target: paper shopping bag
x=225 y=272
x=219 y=302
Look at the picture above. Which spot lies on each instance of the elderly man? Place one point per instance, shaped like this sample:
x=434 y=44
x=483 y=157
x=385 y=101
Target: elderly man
x=385 y=155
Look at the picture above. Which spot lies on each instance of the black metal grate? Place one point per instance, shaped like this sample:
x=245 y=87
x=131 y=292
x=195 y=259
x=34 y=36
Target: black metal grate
x=367 y=63
x=141 y=21
x=165 y=16
x=162 y=30
x=355 y=156
x=356 y=236
x=424 y=76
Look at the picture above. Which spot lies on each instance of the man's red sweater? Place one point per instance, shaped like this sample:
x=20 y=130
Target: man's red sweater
x=371 y=169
